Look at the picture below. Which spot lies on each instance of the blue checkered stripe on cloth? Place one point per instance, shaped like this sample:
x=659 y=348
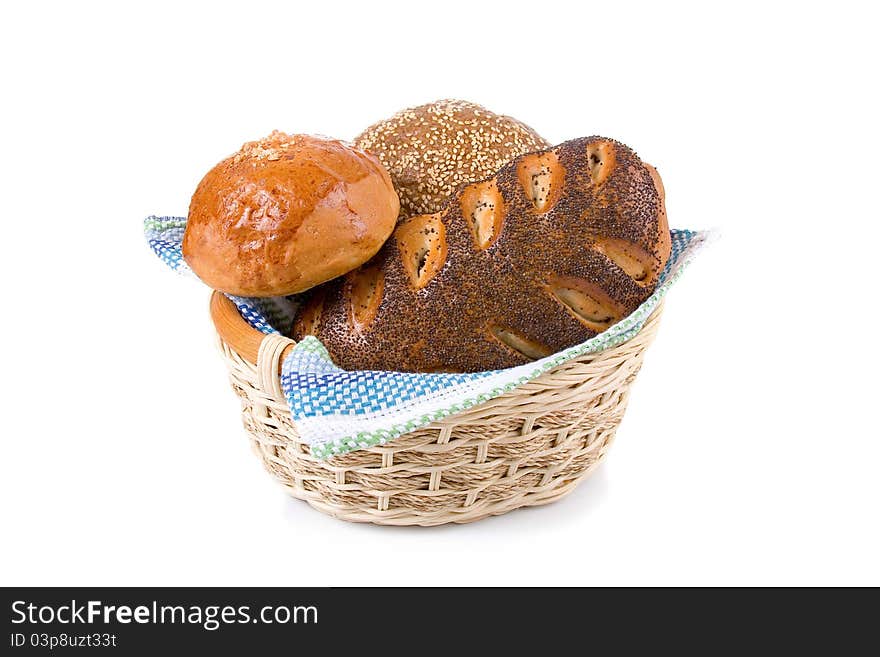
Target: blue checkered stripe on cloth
x=363 y=392
x=337 y=411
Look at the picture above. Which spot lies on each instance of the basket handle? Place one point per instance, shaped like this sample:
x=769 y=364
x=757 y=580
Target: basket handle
x=270 y=358
x=247 y=341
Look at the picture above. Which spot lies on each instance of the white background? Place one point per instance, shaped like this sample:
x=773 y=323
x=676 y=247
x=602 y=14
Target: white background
x=750 y=451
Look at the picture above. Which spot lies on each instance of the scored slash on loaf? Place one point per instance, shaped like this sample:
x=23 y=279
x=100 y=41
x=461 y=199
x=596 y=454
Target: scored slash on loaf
x=556 y=247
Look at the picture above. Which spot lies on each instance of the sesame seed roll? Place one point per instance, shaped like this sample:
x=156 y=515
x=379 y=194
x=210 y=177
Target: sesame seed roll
x=433 y=149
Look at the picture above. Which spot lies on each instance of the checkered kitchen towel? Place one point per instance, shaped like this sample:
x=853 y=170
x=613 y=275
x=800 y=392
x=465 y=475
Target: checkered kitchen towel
x=336 y=411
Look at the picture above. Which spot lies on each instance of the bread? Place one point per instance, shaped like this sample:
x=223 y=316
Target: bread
x=433 y=149
x=286 y=213
x=553 y=249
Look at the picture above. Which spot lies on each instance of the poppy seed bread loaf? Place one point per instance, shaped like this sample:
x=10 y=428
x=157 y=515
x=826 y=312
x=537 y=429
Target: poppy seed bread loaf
x=554 y=248
x=432 y=149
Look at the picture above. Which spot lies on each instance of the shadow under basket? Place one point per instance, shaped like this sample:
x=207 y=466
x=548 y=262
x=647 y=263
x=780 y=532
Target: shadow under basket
x=528 y=447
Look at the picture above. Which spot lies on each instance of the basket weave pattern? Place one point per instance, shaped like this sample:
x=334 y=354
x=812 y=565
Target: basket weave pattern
x=528 y=447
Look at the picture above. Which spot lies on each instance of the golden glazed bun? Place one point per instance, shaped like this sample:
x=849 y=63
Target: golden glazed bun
x=554 y=248
x=433 y=149
x=286 y=213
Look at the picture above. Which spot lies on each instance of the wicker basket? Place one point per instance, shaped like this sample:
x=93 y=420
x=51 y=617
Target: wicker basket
x=527 y=447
